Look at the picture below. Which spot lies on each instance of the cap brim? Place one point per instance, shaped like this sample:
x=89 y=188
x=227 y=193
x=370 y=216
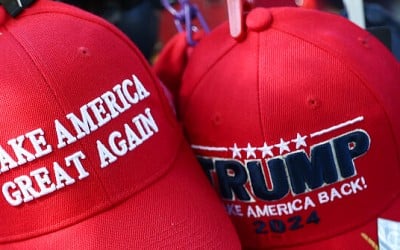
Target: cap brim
x=183 y=211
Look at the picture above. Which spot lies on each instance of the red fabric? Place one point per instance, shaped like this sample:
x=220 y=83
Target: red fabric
x=172 y=60
x=92 y=156
x=301 y=82
x=274 y=3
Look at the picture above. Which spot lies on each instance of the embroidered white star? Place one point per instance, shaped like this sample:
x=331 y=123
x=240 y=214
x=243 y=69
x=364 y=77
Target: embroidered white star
x=266 y=150
x=300 y=141
x=251 y=151
x=283 y=146
x=235 y=151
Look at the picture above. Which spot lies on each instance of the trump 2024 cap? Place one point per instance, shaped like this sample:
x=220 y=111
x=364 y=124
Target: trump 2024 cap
x=297 y=126
x=91 y=154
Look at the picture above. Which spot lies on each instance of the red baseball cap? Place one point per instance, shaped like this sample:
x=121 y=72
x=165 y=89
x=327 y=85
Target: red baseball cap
x=275 y=3
x=297 y=127
x=91 y=154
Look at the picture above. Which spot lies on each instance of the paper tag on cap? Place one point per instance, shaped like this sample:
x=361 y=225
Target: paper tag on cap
x=388 y=234
x=235 y=14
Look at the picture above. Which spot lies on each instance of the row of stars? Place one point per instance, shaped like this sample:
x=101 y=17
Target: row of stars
x=266 y=149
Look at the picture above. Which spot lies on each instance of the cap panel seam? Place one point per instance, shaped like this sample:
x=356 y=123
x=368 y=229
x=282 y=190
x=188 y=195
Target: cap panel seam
x=197 y=84
x=66 y=10
x=160 y=94
x=350 y=67
x=260 y=82
x=103 y=206
x=341 y=58
x=32 y=58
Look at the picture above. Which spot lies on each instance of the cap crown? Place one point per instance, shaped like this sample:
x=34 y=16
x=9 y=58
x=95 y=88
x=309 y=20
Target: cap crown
x=296 y=126
x=84 y=123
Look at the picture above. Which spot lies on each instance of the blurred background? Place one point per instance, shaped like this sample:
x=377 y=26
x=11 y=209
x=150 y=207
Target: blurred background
x=150 y=25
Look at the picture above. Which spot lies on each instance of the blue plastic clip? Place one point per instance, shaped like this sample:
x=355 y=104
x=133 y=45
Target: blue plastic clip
x=184 y=16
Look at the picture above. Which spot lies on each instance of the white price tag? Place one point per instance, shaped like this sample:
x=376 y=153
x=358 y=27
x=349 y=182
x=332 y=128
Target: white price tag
x=388 y=234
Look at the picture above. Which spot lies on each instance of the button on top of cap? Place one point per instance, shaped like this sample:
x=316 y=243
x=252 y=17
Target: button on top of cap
x=259 y=19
